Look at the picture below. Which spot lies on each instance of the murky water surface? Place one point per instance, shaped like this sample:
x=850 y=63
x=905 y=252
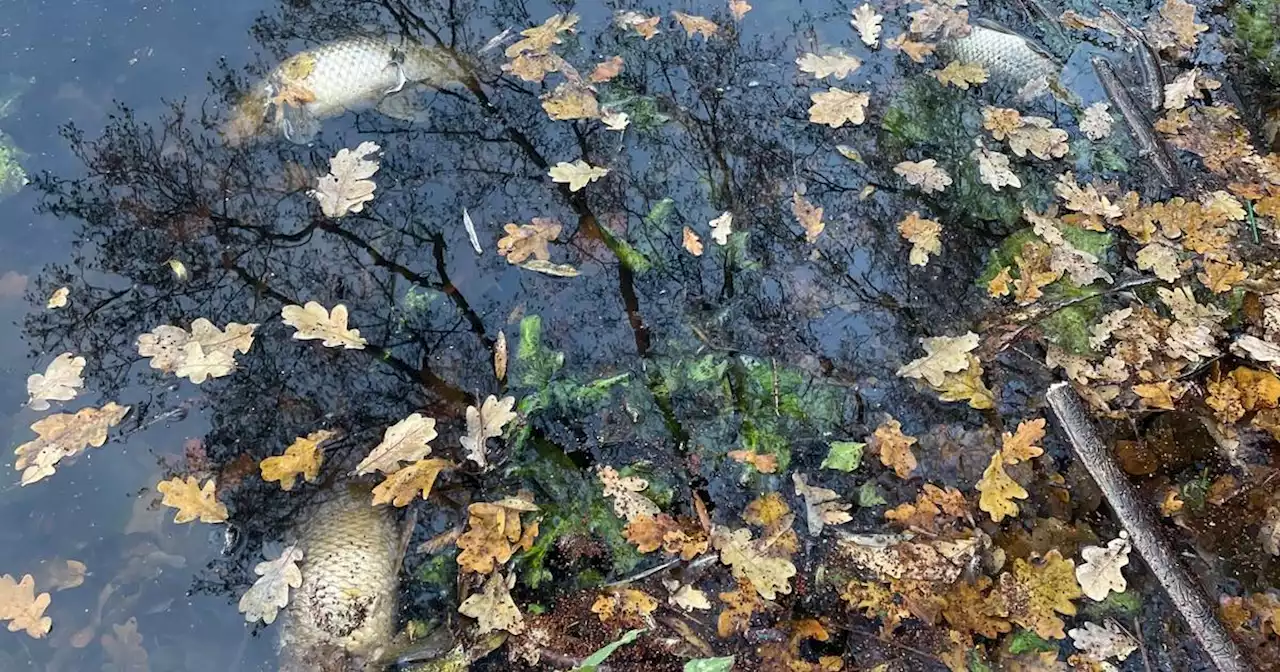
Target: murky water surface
x=769 y=343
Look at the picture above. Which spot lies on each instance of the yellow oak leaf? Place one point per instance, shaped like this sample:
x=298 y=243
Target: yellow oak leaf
x=933 y=510
x=999 y=285
x=1220 y=275
x=999 y=490
x=740 y=605
x=961 y=75
x=1035 y=592
x=64 y=435
x=628 y=606
x=494 y=531
x=487 y=421
x=754 y=561
x=404 y=485
x=577 y=174
x=923 y=236
x=192 y=501
x=894 y=448
x=967 y=385
x=1160 y=394
x=1020 y=446
x=301 y=458
x=405 y=441
x=976 y=608
x=767 y=510
x=692 y=243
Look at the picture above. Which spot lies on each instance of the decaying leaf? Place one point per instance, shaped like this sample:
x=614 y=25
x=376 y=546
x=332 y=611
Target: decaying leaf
x=404 y=485
x=691 y=242
x=485 y=423
x=721 y=228
x=577 y=174
x=925 y=174
x=628 y=503
x=999 y=285
x=270 y=592
x=740 y=605
x=493 y=607
x=1188 y=85
x=302 y=458
x=527 y=240
x=754 y=561
x=822 y=506
x=314 y=321
x=60 y=575
x=1096 y=121
x=64 y=435
x=916 y=51
x=24 y=610
x=571 y=100
x=999 y=490
x=1100 y=574
x=903 y=557
x=944 y=354
x=837 y=64
x=405 y=441
x=347 y=187
x=59 y=298
x=686 y=596
x=1034 y=591
x=607 y=70
x=961 y=75
x=993 y=169
x=494 y=531
x=645 y=26
x=1020 y=446
x=678 y=537
x=809 y=216
x=763 y=462
x=940 y=18
x=835 y=106
x=923 y=236
x=1025 y=134
x=696 y=25
x=192 y=501
x=933 y=510
x=628 y=606
x=500 y=356
x=867 y=23
x=58 y=382
x=531 y=57
x=894 y=447
x=1100 y=642
x=1175 y=26
x=1256 y=349
x=123 y=647
x=168 y=348
x=548 y=268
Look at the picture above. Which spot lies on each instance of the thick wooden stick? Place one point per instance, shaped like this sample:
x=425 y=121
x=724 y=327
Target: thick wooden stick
x=1144 y=530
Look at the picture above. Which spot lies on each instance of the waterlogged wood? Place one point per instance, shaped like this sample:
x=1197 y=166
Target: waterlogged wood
x=1143 y=527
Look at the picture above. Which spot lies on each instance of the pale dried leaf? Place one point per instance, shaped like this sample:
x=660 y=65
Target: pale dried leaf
x=993 y=169
x=347 y=187
x=696 y=25
x=687 y=597
x=628 y=503
x=645 y=26
x=59 y=297
x=867 y=23
x=525 y=240
x=1160 y=259
x=500 y=357
x=606 y=71
x=916 y=51
x=198 y=365
x=124 y=649
x=1097 y=121
x=1256 y=349
x=925 y=174
x=493 y=607
x=721 y=227
x=838 y=64
x=24 y=610
x=751 y=561
x=485 y=423
x=739 y=9
x=63 y=435
x=1102 y=642
x=1100 y=573
x=314 y=321
x=58 y=382
x=577 y=174
x=834 y=107
x=270 y=592
x=405 y=441
x=961 y=75
x=547 y=268
x=1186 y=86
x=923 y=234
x=944 y=354
x=822 y=505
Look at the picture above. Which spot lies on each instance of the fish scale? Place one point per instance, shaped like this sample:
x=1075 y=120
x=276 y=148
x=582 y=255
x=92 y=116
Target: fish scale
x=344 y=613
x=1006 y=56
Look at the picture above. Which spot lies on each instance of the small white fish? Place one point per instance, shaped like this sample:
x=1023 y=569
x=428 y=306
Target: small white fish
x=471 y=231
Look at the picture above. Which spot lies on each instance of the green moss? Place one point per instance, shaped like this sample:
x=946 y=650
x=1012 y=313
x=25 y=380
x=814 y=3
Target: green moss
x=1257 y=31
x=1026 y=641
x=535 y=363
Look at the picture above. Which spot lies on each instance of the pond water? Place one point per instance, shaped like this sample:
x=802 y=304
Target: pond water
x=777 y=342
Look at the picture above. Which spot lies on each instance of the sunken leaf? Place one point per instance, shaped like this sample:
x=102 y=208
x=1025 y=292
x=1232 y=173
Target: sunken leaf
x=944 y=354
x=64 y=435
x=1035 y=592
x=526 y=240
x=822 y=505
x=894 y=448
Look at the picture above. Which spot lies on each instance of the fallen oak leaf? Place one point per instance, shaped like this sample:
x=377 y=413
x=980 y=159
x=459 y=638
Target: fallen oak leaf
x=525 y=240
x=494 y=531
x=314 y=321
x=629 y=606
x=925 y=174
x=577 y=174
x=547 y=268
x=999 y=490
x=406 y=441
x=607 y=70
x=347 y=187
x=59 y=298
x=1034 y=592
x=943 y=355
x=270 y=592
x=993 y=169
x=763 y=462
x=485 y=423
x=923 y=236
x=894 y=448
x=302 y=458
x=750 y=561
x=867 y=22
x=835 y=106
x=739 y=9
x=691 y=242
x=571 y=100
x=628 y=503
x=645 y=26
x=721 y=228
x=403 y=486
x=961 y=75
x=1100 y=573
x=696 y=25
x=838 y=64
x=822 y=506
x=916 y=51
x=198 y=365
x=493 y=607
x=24 y=610
x=808 y=215
x=1020 y=446
x=63 y=435
x=192 y=501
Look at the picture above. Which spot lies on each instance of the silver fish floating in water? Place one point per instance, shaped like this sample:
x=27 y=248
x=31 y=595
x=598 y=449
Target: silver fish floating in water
x=1006 y=55
x=390 y=74
x=342 y=618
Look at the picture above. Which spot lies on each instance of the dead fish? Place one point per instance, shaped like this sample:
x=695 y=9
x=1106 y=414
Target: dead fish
x=342 y=618
x=1006 y=55
x=390 y=74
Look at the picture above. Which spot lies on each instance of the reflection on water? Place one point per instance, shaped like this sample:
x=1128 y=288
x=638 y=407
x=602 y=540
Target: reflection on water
x=768 y=343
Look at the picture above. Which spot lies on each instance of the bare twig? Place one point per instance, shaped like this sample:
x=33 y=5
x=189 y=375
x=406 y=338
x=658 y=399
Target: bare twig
x=1143 y=527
